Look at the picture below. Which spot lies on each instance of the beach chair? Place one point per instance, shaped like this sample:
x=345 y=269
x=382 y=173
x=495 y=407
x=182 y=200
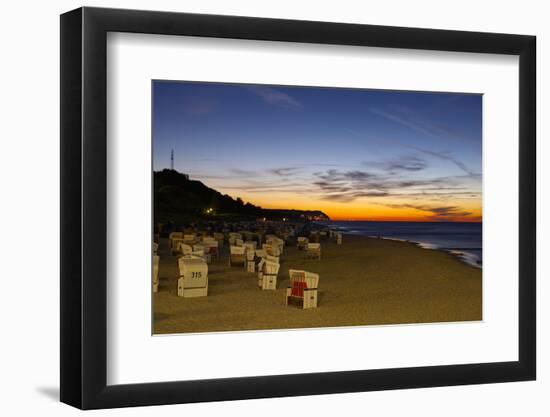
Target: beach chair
x=211 y=247
x=175 y=245
x=303 y=289
x=220 y=237
x=190 y=238
x=250 y=245
x=171 y=237
x=155 y=248
x=267 y=276
x=233 y=238
x=313 y=251
x=302 y=242
x=237 y=255
x=338 y=238
x=185 y=249
x=202 y=250
x=156 y=262
x=277 y=243
x=193 y=277
x=250 y=259
x=271 y=258
x=199 y=253
x=271 y=249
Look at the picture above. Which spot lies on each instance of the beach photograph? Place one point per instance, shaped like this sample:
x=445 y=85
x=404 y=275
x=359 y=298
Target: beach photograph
x=292 y=207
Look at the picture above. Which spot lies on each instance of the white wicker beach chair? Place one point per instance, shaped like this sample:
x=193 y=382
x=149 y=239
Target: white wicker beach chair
x=185 y=249
x=313 y=250
x=175 y=245
x=211 y=247
x=156 y=263
x=250 y=245
x=193 y=277
x=267 y=276
x=302 y=289
x=302 y=242
x=220 y=237
x=233 y=238
x=237 y=255
x=190 y=238
x=250 y=259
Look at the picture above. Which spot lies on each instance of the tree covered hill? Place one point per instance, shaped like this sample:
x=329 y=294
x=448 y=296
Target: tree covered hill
x=179 y=199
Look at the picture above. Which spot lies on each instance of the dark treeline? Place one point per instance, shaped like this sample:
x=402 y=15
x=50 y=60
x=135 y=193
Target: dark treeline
x=178 y=199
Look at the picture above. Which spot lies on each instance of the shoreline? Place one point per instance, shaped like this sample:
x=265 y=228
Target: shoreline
x=463 y=254
x=364 y=281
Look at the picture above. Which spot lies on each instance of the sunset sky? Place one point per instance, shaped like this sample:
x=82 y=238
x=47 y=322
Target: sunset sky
x=354 y=154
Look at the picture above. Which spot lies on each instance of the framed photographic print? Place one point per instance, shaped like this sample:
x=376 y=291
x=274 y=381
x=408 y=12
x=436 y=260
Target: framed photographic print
x=258 y=208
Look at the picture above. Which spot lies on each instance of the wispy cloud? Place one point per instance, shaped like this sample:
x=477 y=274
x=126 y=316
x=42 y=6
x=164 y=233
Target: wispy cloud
x=446 y=156
x=275 y=97
x=411 y=119
x=406 y=163
x=284 y=172
x=242 y=172
x=345 y=186
x=437 y=212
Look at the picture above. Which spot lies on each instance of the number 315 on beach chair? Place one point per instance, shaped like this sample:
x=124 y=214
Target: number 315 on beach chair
x=193 y=280
x=303 y=289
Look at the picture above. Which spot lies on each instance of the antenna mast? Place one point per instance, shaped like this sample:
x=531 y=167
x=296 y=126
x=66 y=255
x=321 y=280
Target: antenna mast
x=172 y=160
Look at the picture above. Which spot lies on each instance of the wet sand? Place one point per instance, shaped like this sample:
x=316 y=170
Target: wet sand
x=365 y=281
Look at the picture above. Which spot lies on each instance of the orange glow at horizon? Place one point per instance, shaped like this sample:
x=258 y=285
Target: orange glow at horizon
x=374 y=208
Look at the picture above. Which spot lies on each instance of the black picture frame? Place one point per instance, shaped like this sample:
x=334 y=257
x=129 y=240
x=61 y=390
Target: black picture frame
x=84 y=207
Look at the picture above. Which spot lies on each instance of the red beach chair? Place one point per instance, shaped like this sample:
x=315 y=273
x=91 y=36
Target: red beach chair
x=303 y=289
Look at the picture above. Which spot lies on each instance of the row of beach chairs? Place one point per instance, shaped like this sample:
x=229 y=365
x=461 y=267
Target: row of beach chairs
x=197 y=251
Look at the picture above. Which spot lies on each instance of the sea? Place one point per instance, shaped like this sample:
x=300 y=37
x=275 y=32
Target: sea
x=463 y=240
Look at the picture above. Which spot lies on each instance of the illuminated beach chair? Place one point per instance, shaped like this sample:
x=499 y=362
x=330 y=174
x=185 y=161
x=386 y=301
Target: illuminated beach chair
x=267 y=276
x=193 y=277
x=339 y=238
x=302 y=242
x=156 y=262
x=303 y=289
x=313 y=251
x=237 y=255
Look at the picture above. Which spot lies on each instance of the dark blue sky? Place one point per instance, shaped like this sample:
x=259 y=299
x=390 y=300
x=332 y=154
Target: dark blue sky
x=402 y=153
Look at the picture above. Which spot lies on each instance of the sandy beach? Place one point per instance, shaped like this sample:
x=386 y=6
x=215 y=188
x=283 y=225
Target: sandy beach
x=365 y=281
